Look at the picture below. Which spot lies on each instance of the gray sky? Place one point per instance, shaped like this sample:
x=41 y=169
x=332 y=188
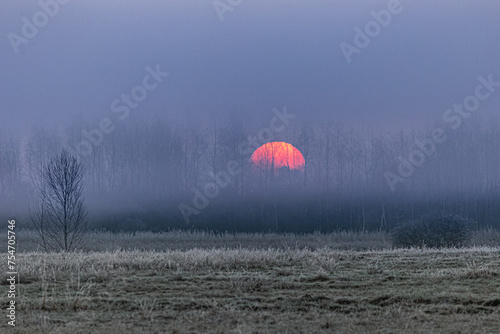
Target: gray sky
x=263 y=54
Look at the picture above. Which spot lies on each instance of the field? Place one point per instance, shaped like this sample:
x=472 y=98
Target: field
x=298 y=284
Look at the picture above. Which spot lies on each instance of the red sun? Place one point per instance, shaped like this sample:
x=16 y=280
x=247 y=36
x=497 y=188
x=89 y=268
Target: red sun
x=278 y=154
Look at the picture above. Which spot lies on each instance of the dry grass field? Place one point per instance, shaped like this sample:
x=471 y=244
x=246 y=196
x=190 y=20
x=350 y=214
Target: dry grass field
x=292 y=288
x=101 y=241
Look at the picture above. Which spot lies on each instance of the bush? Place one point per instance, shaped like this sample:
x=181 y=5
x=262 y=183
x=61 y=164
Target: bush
x=435 y=231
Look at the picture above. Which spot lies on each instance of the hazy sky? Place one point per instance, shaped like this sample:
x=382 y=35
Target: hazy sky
x=263 y=54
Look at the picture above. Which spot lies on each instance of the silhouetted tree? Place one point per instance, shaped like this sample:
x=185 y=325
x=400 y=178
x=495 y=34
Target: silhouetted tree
x=61 y=218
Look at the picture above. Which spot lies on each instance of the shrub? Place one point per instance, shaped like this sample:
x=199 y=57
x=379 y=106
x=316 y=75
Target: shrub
x=434 y=231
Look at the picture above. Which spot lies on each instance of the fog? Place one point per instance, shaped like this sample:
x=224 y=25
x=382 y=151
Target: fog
x=158 y=99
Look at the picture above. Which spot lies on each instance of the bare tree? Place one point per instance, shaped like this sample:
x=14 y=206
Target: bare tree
x=61 y=218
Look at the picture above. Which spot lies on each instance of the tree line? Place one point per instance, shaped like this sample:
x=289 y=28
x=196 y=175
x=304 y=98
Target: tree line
x=137 y=176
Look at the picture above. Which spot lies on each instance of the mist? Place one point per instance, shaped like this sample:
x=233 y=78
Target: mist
x=163 y=103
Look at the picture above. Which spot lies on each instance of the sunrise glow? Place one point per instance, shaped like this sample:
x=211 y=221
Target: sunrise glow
x=277 y=155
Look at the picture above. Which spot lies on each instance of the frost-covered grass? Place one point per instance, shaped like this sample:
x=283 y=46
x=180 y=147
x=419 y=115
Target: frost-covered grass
x=182 y=240
x=274 y=290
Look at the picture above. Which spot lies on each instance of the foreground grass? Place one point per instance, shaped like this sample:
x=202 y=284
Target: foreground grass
x=259 y=291
x=99 y=241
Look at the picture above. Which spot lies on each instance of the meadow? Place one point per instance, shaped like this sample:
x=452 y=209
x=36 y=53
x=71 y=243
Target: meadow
x=198 y=282
x=100 y=241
